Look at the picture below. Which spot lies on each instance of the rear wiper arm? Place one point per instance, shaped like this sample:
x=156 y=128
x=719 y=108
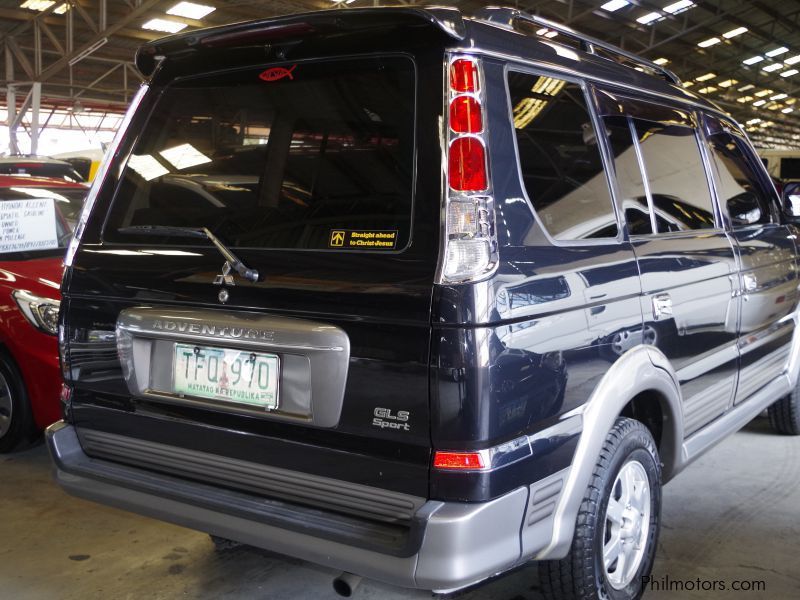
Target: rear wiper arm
x=232 y=262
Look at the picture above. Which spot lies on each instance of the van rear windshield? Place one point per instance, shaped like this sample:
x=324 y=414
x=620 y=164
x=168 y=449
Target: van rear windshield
x=314 y=155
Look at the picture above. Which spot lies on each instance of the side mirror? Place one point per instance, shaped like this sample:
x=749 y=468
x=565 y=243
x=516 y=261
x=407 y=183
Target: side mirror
x=744 y=209
x=791 y=200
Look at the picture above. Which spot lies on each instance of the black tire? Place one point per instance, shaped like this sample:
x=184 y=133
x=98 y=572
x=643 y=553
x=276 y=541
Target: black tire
x=582 y=575
x=784 y=415
x=16 y=420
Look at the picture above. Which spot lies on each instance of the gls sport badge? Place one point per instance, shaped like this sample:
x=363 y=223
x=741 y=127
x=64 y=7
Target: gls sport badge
x=386 y=420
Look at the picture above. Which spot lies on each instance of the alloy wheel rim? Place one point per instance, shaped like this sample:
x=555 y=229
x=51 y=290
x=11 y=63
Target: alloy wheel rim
x=626 y=525
x=6 y=407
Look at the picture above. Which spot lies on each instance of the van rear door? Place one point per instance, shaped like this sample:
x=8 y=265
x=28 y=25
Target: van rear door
x=309 y=173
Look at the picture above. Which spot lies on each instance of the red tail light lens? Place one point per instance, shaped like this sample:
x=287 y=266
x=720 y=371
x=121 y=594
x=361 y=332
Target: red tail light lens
x=458 y=460
x=465 y=115
x=464 y=76
x=467 y=165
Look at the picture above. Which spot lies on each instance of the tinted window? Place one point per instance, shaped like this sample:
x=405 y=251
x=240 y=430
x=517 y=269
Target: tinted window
x=676 y=176
x=737 y=181
x=790 y=168
x=630 y=185
x=307 y=156
x=559 y=158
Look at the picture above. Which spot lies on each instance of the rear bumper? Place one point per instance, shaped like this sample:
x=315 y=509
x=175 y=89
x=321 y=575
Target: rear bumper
x=458 y=543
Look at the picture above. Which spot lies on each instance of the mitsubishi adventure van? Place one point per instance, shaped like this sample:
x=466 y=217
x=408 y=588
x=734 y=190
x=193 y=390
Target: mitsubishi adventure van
x=421 y=297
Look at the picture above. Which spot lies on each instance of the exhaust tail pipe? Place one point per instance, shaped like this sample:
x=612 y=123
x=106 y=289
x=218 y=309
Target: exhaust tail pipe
x=345 y=584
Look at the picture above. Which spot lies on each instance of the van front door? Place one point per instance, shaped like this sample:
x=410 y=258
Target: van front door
x=686 y=261
x=766 y=254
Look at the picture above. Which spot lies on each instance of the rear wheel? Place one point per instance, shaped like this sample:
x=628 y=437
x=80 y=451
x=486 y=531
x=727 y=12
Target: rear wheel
x=784 y=415
x=618 y=523
x=16 y=420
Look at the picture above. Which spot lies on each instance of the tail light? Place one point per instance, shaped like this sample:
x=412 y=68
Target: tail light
x=470 y=244
x=458 y=460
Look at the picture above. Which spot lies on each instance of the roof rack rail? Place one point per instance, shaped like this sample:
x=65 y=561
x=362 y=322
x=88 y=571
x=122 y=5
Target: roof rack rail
x=507 y=17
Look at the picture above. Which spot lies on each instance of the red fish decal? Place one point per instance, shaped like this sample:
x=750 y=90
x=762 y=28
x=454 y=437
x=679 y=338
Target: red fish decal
x=276 y=73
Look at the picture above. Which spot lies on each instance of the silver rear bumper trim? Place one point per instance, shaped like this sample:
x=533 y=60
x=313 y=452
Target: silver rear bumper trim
x=461 y=543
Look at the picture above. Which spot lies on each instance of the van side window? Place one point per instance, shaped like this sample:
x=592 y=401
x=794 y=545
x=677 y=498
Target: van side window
x=630 y=184
x=559 y=159
x=676 y=176
x=743 y=195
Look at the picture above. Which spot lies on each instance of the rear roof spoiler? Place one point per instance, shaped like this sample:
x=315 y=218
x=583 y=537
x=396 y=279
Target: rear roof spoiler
x=448 y=20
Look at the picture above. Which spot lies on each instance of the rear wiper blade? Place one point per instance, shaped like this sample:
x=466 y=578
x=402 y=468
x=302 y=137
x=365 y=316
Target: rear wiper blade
x=232 y=262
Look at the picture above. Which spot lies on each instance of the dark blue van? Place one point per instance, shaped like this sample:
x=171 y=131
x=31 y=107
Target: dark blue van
x=421 y=297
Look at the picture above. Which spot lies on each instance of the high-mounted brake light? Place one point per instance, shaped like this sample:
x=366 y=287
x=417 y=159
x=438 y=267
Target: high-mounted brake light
x=465 y=115
x=470 y=245
x=464 y=75
x=458 y=460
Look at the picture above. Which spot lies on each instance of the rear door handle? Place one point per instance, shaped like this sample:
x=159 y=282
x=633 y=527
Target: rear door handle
x=662 y=306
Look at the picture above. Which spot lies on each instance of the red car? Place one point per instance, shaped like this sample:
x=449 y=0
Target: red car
x=37 y=216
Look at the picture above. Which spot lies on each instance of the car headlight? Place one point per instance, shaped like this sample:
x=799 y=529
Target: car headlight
x=42 y=313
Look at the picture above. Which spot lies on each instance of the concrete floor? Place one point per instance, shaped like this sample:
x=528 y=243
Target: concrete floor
x=734 y=515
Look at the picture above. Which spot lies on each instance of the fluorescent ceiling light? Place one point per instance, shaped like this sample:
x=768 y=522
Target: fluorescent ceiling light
x=786 y=111
x=190 y=10
x=753 y=60
x=777 y=51
x=763 y=93
x=734 y=32
x=661 y=61
x=164 y=25
x=147 y=166
x=688 y=83
x=551 y=34
x=759 y=102
x=772 y=67
x=753 y=121
x=184 y=156
x=706 y=77
x=789 y=73
x=43 y=5
x=744 y=88
x=679 y=7
x=728 y=83
x=709 y=42
x=649 y=18
x=615 y=5
x=778 y=97
x=707 y=90
x=744 y=99
x=792 y=60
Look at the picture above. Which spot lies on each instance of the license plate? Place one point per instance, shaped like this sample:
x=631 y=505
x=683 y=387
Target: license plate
x=238 y=376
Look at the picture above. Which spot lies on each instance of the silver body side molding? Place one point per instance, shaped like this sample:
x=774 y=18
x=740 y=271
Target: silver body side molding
x=640 y=369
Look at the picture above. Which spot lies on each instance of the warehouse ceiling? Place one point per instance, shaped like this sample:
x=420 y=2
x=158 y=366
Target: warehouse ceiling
x=744 y=55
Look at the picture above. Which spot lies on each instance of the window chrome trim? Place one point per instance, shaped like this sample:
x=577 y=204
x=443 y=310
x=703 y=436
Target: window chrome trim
x=100 y=176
